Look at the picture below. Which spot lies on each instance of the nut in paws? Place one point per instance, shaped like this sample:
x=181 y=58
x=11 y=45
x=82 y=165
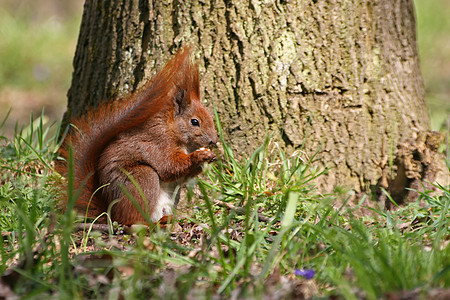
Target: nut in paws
x=205 y=155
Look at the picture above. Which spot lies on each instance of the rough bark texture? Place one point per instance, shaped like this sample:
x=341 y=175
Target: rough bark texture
x=339 y=76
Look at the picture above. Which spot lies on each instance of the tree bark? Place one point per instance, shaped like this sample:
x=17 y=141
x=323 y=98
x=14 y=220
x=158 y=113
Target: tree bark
x=341 y=77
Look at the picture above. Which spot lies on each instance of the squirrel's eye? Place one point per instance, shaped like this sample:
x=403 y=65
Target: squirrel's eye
x=195 y=122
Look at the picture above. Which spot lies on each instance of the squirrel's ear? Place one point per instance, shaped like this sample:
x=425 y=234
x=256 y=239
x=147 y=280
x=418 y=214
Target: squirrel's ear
x=180 y=102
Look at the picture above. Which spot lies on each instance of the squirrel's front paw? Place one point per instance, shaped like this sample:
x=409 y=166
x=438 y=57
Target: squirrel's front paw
x=204 y=155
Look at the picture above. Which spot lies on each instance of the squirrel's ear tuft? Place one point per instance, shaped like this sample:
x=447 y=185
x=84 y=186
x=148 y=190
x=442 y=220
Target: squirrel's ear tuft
x=179 y=74
x=184 y=74
x=187 y=74
x=180 y=102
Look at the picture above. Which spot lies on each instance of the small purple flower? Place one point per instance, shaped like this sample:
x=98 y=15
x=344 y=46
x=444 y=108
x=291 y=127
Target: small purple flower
x=307 y=273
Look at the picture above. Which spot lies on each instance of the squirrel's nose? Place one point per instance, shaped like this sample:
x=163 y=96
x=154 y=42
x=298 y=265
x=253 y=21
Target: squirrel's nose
x=213 y=142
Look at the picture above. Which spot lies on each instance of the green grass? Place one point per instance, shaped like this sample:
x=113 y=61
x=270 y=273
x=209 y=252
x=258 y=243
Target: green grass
x=269 y=222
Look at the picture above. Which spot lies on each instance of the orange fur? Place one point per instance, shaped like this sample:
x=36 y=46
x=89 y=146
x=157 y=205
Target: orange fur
x=150 y=135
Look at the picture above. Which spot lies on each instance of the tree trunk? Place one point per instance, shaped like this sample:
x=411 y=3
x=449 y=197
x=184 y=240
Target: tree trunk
x=339 y=77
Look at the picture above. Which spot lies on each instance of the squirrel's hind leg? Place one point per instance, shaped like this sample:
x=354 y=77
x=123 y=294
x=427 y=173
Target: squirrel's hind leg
x=125 y=211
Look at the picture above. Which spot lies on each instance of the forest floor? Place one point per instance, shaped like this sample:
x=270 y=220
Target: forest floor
x=251 y=228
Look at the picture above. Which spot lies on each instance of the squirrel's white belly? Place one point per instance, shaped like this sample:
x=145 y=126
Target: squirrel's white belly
x=166 y=200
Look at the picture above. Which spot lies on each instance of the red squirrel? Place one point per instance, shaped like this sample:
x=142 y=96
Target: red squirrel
x=160 y=136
